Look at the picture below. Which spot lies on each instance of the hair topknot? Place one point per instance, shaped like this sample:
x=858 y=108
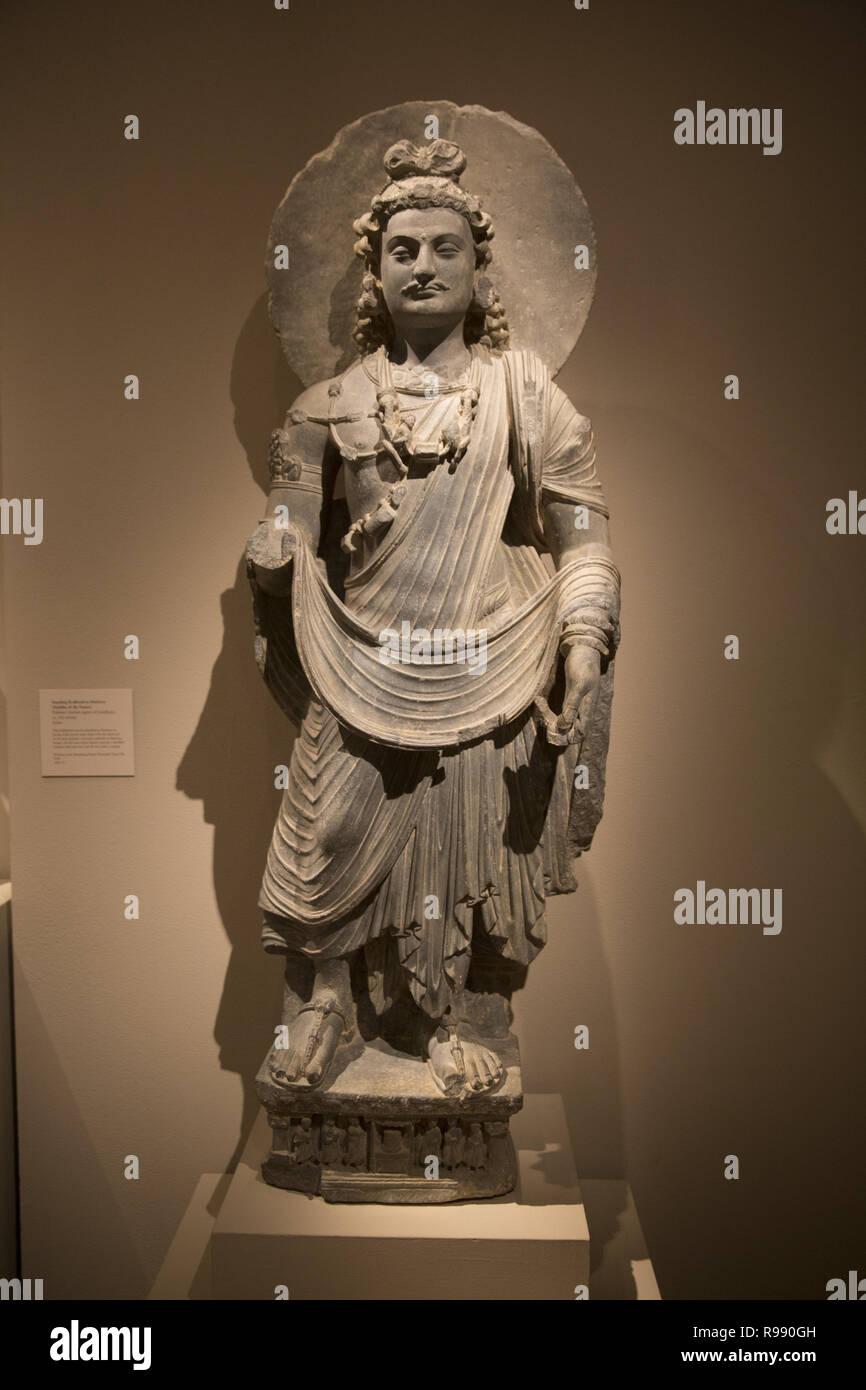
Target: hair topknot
x=439 y=157
x=425 y=176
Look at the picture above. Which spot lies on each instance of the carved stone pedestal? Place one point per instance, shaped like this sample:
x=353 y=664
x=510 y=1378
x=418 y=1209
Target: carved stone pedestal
x=530 y=1244
x=383 y=1132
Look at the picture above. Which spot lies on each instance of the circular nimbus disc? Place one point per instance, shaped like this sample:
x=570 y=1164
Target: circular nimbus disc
x=539 y=216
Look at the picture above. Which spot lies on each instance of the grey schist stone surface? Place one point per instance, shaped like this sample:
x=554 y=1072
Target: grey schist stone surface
x=441 y=630
x=383 y=1132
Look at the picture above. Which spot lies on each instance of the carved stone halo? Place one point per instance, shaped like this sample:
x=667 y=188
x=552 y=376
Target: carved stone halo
x=539 y=215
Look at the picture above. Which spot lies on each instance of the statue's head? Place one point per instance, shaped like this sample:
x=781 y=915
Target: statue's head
x=425 y=244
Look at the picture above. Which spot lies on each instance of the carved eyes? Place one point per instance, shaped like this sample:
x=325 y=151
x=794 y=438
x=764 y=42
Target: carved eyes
x=407 y=254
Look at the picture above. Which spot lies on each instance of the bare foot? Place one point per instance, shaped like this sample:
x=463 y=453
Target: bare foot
x=317 y=1030
x=460 y=1063
x=314 y=1037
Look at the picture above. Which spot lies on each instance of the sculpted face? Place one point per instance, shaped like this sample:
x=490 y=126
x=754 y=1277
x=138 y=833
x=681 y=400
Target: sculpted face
x=427 y=267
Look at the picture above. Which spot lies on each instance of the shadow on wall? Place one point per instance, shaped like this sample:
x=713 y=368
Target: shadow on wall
x=738 y=1042
x=96 y=1227
x=239 y=739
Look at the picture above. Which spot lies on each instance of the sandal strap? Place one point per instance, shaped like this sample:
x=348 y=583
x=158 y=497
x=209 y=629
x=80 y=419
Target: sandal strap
x=324 y=1010
x=456 y=1048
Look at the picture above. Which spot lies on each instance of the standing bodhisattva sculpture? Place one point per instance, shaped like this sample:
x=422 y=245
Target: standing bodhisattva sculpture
x=423 y=630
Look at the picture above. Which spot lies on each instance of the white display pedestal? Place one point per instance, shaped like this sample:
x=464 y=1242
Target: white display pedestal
x=530 y=1244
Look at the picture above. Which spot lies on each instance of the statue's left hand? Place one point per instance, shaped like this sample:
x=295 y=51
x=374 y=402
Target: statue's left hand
x=582 y=676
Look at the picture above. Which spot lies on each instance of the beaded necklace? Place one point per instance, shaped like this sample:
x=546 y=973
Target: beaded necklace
x=397 y=428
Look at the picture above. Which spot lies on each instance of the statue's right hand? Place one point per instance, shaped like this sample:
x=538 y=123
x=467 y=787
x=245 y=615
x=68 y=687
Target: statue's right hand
x=271 y=549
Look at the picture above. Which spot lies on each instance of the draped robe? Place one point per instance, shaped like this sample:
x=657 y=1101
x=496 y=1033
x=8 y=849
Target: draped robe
x=424 y=802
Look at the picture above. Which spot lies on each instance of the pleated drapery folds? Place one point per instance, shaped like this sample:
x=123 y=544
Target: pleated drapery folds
x=423 y=800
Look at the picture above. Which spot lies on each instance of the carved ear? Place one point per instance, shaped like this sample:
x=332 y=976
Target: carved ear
x=483 y=291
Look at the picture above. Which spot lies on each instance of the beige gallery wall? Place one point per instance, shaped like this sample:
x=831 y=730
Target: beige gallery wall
x=142 y=1037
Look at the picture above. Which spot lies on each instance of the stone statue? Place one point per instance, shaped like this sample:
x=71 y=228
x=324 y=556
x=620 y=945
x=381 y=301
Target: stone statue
x=438 y=611
x=356 y=1144
x=476 y=1149
x=302 y=1143
x=333 y=1142
x=429 y=1142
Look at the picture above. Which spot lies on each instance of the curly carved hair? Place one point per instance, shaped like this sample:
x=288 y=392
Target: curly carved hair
x=425 y=177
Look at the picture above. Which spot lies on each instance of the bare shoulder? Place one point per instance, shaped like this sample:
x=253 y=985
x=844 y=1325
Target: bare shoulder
x=353 y=390
x=312 y=403
x=356 y=390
